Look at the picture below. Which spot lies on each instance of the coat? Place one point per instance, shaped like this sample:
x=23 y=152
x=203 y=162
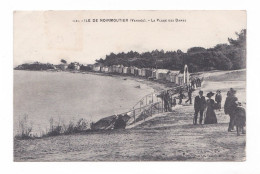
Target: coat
x=240 y=116
x=230 y=104
x=199 y=103
x=218 y=98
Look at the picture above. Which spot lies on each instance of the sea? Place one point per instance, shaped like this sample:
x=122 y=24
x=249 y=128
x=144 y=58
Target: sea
x=41 y=96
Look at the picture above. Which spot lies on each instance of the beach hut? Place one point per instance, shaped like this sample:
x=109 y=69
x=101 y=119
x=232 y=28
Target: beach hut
x=136 y=71
x=114 y=68
x=128 y=70
x=143 y=72
x=120 y=69
x=161 y=74
x=148 y=72
x=172 y=76
x=96 y=68
x=110 y=69
x=139 y=72
x=180 y=79
x=104 y=69
x=117 y=68
x=132 y=68
x=154 y=73
x=125 y=70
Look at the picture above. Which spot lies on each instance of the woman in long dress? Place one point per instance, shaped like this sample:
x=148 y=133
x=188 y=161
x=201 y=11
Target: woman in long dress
x=210 y=113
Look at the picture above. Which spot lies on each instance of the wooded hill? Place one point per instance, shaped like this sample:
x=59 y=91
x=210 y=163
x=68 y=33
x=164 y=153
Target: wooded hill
x=229 y=56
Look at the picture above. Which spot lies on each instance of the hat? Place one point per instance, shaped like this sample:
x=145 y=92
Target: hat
x=218 y=91
x=210 y=94
x=200 y=92
x=232 y=91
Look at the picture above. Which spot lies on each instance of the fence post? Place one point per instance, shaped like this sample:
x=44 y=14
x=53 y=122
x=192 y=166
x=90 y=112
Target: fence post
x=134 y=115
x=151 y=110
x=162 y=105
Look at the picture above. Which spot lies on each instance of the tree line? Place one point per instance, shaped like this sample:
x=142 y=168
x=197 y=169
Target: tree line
x=229 y=56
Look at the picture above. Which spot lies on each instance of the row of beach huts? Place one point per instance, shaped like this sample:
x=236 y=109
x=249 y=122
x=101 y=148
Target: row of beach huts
x=157 y=74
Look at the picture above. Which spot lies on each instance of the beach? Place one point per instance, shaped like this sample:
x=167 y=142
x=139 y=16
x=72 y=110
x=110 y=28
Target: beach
x=169 y=136
x=67 y=96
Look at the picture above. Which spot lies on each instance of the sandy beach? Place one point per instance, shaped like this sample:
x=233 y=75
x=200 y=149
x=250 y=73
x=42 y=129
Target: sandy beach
x=169 y=136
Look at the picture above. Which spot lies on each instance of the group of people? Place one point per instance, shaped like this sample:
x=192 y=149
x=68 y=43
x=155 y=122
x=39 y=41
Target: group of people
x=195 y=82
x=200 y=104
x=236 y=112
x=231 y=107
x=169 y=101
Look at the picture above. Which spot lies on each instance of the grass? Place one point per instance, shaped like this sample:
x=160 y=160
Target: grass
x=25 y=128
x=55 y=128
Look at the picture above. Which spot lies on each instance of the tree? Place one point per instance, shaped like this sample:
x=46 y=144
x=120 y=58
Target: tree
x=63 y=61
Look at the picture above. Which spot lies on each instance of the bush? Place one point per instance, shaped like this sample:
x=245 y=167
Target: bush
x=54 y=129
x=25 y=128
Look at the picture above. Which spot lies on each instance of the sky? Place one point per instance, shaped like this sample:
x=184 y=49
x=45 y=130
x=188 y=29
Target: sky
x=49 y=36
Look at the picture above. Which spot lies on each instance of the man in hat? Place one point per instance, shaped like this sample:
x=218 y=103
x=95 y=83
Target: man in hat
x=230 y=107
x=218 y=99
x=199 y=106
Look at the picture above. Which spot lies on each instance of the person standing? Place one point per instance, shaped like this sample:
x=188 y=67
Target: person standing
x=230 y=107
x=240 y=119
x=174 y=101
x=181 y=96
x=210 y=113
x=166 y=101
x=189 y=96
x=199 y=82
x=199 y=106
x=218 y=99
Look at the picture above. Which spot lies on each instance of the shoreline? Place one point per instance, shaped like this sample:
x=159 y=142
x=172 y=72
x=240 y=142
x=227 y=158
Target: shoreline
x=154 y=84
x=169 y=136
x=151 y=86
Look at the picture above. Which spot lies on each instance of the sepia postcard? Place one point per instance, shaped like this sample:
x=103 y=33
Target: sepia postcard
x=129 y=86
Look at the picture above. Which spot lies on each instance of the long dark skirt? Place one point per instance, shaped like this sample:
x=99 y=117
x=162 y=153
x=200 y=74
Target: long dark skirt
x=210 y=116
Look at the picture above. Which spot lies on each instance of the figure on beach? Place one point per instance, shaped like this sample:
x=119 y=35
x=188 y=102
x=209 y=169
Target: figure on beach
x=199 y=106
x=198 y=82
x=181 y=96
x=218 y=99
x=230 y=107
x=173 y=101
x=189 y=95
x=166 y=98
x=210 y=113
x=240 y=118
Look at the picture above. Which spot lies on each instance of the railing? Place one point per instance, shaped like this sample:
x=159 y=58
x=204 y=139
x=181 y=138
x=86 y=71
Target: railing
x=150 y=104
